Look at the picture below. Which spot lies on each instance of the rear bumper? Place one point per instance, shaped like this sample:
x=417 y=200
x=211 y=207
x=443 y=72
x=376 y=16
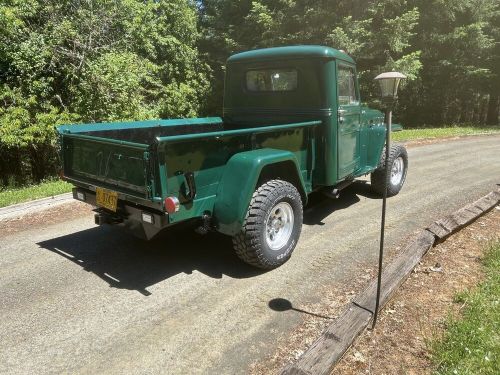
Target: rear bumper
x=142 y=221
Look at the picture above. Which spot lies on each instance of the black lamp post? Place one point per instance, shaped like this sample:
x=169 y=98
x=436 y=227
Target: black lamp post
x=389 y=83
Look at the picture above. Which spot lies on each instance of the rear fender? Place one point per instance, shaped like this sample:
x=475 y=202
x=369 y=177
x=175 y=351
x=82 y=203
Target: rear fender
x=243 y=172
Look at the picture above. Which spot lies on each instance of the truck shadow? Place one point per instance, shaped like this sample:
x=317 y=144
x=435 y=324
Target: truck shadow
x=320 y=206
x=126 y=262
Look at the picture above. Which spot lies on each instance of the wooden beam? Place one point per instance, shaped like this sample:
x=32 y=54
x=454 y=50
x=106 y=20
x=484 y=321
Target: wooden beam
x=448 y=225
x=332 y=344
x=396 y=272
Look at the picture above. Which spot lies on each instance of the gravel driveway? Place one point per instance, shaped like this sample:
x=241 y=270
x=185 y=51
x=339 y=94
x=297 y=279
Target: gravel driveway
x=76 y=298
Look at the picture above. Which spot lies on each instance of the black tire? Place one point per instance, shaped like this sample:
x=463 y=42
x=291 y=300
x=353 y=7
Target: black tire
x=251 y=244
x=397 y=152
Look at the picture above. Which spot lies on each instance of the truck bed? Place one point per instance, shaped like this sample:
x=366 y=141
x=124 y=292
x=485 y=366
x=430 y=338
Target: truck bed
x=145 y=161
x=119 y=156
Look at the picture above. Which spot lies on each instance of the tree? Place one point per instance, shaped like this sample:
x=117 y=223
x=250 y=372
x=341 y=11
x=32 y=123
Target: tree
x=458 y=78
x=87 y=60
x=448 y=48
x=376 y=33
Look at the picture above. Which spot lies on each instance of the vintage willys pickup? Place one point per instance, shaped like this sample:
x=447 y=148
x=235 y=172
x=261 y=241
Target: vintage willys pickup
x=292 y=124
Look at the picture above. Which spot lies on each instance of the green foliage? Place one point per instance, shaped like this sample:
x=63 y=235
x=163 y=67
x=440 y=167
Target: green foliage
x=377 y=34
x=48 y=188
x=90 y=61
x=446 y=48
x=119 y=86
x=352 y=36
x=456 y=38
x=399 y=30
x=471 y=345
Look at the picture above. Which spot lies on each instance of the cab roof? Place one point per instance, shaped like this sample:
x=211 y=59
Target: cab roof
x=290 y=52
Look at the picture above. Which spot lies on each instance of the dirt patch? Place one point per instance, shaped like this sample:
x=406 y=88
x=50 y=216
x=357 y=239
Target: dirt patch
x=294 y=345
x=52 y=215
x=415 y=315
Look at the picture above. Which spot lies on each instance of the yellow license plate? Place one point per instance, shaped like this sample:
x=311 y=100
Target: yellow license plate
x=106 y=198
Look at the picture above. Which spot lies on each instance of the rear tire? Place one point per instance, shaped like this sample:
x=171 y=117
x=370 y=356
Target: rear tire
x=398 y=168
x=272 y=225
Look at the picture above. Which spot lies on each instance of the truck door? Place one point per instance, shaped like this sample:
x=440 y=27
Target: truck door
x=348 y=120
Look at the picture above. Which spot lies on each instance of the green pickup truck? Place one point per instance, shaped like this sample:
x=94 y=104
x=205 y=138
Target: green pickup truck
x=292 y=124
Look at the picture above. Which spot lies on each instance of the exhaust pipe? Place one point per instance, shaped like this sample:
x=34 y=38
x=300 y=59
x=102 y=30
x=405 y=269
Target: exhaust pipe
x=100 y=219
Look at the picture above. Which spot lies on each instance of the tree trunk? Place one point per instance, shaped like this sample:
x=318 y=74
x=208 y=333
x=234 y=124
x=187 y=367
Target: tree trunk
x=493 y=108
x=38 y=163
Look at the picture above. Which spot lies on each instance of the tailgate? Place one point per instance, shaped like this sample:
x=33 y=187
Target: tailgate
x=118 y=165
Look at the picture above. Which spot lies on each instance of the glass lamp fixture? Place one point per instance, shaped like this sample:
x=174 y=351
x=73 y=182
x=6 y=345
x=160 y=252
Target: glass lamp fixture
x=389 y=83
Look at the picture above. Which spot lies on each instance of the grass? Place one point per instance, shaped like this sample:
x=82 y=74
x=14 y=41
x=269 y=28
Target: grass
x=48 y=188
x=471 y=344
x=444 y=132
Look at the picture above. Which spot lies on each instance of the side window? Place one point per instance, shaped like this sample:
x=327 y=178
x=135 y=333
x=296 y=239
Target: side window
x=346 y=86
x=271 y=80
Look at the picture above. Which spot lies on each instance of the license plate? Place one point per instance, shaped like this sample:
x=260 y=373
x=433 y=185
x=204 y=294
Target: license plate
x=106 y=198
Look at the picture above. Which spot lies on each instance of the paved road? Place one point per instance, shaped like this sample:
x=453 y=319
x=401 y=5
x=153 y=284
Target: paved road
x=76 y=298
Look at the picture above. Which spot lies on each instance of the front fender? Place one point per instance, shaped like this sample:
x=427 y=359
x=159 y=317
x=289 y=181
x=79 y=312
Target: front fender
x=239 y=182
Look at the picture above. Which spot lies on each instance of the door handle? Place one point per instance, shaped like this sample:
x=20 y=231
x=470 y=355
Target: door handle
x=340 y=113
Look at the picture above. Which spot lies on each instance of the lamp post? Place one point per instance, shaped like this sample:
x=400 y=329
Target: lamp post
x=389 y=83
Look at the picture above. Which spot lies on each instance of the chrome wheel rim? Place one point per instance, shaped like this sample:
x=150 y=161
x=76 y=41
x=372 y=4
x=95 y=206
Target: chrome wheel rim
x=279 y=225
x=397 y=171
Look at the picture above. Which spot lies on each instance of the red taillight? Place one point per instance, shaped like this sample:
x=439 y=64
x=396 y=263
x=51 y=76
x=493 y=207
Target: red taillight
x=172 y=205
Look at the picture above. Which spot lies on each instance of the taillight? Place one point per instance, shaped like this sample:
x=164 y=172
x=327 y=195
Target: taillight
x=172 y=205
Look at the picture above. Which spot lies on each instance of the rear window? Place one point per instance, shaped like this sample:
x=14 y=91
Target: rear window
x=271 y=80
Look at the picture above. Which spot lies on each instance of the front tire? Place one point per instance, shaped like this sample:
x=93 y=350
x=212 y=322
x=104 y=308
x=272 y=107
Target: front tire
x=398 y=168
x=272 y=225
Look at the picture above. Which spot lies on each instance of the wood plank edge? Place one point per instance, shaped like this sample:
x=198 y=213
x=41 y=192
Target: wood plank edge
x=319 y=359
x=442 y=229
x=397 y=271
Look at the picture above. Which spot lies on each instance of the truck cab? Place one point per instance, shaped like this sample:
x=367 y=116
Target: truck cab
x=302 y=83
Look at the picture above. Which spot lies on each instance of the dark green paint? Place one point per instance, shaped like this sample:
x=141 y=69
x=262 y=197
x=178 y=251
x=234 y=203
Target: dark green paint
x=295 y=135
x=209 y=156
x=305 y=52
x=238 y=184
x=82 y=128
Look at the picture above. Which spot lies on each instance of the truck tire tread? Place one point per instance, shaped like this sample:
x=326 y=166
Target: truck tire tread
x=248 y=243
x=378 y=176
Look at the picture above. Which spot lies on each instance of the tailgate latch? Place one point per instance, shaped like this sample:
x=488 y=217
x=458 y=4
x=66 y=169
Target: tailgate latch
x=190 y=194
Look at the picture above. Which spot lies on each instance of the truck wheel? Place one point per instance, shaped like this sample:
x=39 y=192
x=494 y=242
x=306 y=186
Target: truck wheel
x=272 y=225
x=398 y=167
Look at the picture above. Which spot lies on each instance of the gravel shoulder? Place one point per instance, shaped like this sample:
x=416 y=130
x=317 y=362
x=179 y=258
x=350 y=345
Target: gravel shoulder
x=184 y=302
